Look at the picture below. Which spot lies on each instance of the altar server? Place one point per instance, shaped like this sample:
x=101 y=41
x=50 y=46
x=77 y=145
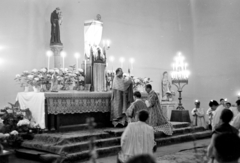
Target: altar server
x=122 y=97
x=198 y=115
x=135 y=107
x=156 y=117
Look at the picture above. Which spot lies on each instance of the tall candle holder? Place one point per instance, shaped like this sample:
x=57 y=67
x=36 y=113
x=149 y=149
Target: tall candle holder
x=180 y=76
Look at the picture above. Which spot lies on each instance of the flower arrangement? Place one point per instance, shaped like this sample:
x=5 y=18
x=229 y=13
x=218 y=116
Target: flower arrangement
x=42 y=78
x=16 y=125
x=140 y=82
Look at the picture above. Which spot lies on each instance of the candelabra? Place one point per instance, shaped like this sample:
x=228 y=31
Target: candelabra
x=180 y=77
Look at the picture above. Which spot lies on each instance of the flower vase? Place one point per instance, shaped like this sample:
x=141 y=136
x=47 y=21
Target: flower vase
x=81 y=88
x=26 y=89
x=36 y=89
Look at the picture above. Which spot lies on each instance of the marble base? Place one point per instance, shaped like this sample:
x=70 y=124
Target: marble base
x=56 y=49
x=167 y=108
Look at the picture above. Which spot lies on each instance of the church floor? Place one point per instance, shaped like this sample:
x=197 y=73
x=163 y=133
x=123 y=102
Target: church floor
x=161 y=151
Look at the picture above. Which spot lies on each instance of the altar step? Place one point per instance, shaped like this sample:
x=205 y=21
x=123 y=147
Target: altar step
x=75 y=144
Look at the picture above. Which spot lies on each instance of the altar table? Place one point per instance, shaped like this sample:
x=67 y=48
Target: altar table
x=68 y=110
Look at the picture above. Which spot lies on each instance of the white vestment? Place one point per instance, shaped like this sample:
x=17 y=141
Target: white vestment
x=236 y=121
x=198 y=117
x=216 y=116
x=138 y=138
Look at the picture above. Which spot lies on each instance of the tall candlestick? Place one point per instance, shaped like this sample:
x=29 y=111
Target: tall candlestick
x=77 y=56
x=63 y=54
x=49 y=54
x=85 y=63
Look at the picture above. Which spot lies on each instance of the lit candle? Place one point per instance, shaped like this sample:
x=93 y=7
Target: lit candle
x=111 y=59
x=131 y=62
x=121 y=61
x=108 y=43
x=77 y=56
x=49 y=54
x=85 y=65
x=63 y=55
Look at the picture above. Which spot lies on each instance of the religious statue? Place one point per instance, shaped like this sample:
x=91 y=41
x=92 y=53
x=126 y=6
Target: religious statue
x=54 y=83
x=56 y=21
x=166 y=88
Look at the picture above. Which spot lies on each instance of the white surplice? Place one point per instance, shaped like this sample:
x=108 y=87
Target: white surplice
x=216 y=116
x=198 y=117
x=138 y=138
x=236 y=121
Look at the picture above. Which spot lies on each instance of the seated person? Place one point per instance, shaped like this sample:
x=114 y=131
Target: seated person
x=198 y=114
x=138 y=138
x=226 y=151
x=135 y=107
x=223 y=127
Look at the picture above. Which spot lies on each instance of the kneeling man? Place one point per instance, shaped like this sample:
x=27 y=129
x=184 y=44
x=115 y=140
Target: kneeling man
x=138 y=138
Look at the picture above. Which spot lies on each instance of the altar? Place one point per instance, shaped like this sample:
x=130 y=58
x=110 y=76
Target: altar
x=68 y=110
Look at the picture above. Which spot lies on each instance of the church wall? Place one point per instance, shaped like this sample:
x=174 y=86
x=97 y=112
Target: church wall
x=216 y=49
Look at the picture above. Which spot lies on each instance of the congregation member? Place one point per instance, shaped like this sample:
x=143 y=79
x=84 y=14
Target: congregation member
x=198 y=115
x=210 y=113
x=228 y=105
x=156 y=118
x=218 y=111
x=144 y=158
x=224 y=127
x=236 y=120
x=221 y=101
x=135 y=107
x=227 y=151
x=122 y=97
x=137 y=138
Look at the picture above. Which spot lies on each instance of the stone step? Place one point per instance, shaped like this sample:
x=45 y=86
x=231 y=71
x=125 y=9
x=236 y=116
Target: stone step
x=108 y=151
x=80 y=136
x=76 y=146
x=104 y=151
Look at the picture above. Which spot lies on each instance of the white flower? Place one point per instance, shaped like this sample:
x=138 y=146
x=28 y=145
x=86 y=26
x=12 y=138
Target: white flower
x=56 y=70
x=51 y=70
x=37 y=79
x=6 y=135
x=81 y=78
x=66 y=69
x=18 y=76
x=23 y=122
x=2 y=136
x=145 y=79
x=14 y=132
x=43 y=70
x=34 y=70
x=9 y=111
x=80 y=70
x=137 y=81
x=30 y=76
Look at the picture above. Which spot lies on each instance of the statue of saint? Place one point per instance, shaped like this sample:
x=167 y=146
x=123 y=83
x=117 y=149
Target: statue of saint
x=56 y=21
x=166 y=87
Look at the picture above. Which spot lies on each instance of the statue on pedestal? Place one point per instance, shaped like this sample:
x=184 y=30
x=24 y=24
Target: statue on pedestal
x=56 y=21
x=167 y=93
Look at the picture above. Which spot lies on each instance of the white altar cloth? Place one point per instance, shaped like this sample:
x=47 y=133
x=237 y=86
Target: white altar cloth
x=36 y=104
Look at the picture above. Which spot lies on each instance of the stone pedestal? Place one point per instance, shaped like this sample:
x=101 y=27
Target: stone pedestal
x=56 y=49
x=167 y=108
x=180 y=116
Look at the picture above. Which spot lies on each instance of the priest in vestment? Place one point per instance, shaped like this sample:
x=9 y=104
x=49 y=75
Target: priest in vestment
x=156 y=117
x=122 y=97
